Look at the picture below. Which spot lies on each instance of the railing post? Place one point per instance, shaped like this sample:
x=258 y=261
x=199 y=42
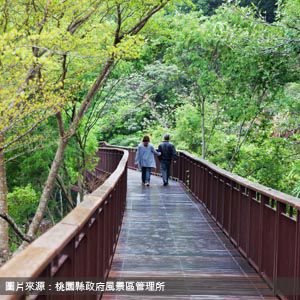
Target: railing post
x=217 y=198
x=180 y=169
x=297 y=261
x=239 y=205
x=100 y=243
x=230 y=207
x=251 y=195
x=210 y=176
x=187 y=179
x=198 y=181
x=280 y=207
x=194 y=179
x=223 y=183
x=202 y=183
x=105 y=237
x=263 y=201
x=110 y=223
x=205 y=186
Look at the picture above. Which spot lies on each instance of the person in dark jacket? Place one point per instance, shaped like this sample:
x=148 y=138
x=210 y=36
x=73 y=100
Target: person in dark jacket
x=168 y=153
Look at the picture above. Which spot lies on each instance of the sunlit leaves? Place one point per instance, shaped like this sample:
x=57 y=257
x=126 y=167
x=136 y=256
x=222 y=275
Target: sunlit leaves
x=47 y=48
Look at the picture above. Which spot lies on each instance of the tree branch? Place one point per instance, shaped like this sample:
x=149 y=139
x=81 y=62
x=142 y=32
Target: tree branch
x=140 y=25
x=119 y=23
x=21 y=136
x=60 y=124
x=73 y=26
x=38 y=147
x=15 y=227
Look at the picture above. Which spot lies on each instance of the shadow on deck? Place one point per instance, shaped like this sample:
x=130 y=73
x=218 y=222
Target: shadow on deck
x=169 y=237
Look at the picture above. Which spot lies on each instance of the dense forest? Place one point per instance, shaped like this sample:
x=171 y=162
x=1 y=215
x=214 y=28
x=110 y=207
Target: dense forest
x=222 y=77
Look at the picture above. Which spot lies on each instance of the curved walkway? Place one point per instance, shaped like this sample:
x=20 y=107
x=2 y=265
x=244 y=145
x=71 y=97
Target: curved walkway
x=168 y=237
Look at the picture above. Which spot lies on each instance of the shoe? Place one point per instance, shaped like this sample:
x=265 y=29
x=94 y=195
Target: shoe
x=166 y=183
x=147 y=184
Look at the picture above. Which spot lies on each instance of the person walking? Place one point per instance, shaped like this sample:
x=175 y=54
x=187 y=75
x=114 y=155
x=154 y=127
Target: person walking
x=168 y=153
x=145 y=159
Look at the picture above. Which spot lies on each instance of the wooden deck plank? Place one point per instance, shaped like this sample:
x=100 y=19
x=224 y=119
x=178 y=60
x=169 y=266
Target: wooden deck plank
x=167 y=235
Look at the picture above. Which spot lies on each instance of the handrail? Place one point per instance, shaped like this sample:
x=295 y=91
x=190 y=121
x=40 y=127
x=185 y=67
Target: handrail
x=64 y=249
x=267 y=191
x=264 y=224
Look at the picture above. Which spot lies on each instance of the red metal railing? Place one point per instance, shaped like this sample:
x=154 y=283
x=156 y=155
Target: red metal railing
x=82 y=244
x=264 y=224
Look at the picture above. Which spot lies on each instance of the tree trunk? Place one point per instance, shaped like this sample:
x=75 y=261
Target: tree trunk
x=33 y=228
x=63 y=141
x=4 y=246
x=203 y=126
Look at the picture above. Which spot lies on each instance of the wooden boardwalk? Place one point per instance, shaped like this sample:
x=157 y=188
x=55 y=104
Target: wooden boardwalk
x=167 y=236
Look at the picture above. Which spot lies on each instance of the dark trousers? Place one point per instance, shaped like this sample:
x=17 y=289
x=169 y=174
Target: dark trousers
x=146 y=174
x=165 y=170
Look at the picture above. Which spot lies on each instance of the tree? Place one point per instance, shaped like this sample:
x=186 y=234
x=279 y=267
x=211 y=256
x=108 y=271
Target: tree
x=56 y=46
x=30 y=91
x=142 y=98
x=198 y=58
x=267 y=8
x=247 y=70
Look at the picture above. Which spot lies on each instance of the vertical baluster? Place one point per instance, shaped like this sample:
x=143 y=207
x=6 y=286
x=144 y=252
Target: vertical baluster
x=223 y=188
x=251 y=195
x=100 y=246
x=230 y=184
x=202 y=183
x=263 y=202
x=239 y=205
x=297 y=262
x=280 y=208
x=198 y=181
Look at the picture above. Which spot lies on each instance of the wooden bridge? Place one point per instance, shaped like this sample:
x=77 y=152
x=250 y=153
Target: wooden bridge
x=209 y=235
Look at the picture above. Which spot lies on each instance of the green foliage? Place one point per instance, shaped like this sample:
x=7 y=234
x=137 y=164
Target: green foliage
x=267 y=8
x=149 y=95
x=22 y=202
x=188 y=132
x=247 y=73
x=50 y=55
x=224 y=54
x=257 y=162
x=293 y=178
